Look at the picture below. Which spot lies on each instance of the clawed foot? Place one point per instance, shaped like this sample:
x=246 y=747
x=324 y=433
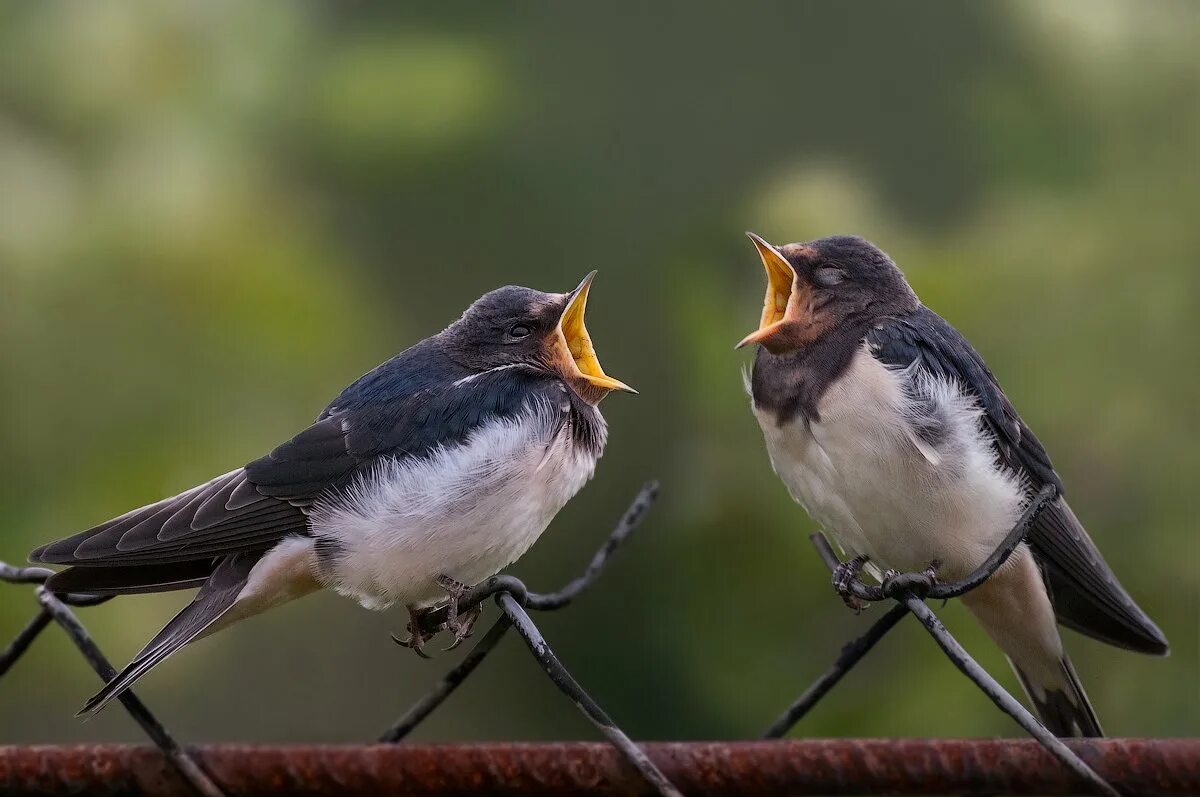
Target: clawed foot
x=459 y=624
x=843 y=576
x=418 y=635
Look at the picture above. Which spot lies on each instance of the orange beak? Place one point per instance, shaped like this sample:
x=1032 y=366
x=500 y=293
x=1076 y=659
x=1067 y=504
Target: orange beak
x=574 y=337
x=780 y=279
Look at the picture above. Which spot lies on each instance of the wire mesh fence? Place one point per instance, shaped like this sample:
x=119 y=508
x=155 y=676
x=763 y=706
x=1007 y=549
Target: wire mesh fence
x=1047 y=765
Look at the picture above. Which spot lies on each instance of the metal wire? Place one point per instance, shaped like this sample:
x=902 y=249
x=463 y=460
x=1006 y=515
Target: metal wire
x=896 y=766
x=178 y=757
x=24 y=639
x=509 y=592
x=545 y=602
x=910 y=590
x=1003 y=700
x=590 y=708
x=513 y=597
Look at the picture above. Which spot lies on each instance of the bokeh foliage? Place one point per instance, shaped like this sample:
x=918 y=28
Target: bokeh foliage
x=214 y=215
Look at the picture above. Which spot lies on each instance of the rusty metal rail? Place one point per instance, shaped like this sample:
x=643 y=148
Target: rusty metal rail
x=755 y=769
x=509 y=593
x=910 y=591
x=1043 y=765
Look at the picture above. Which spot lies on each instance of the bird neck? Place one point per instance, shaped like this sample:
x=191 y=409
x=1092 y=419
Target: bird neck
x=793 y=383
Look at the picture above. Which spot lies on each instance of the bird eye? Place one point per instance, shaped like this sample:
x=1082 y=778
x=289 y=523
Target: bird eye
x=519 y=331
x=828 y=276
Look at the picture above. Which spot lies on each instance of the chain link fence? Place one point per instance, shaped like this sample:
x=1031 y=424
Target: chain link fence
x=1046 y=765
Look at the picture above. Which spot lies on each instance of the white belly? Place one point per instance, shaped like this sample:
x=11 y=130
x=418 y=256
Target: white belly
x=879 y=490
x=466 y=511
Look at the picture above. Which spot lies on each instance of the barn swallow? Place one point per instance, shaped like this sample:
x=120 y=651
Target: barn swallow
x=888 y=427
x=433 y=471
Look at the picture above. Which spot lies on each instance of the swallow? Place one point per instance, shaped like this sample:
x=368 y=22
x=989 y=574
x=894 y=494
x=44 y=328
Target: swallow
x=433 y=471
x=890 y=430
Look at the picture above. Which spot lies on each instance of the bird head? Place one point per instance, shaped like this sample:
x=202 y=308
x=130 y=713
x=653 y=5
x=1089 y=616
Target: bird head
x=520 y=326
x=814 y=287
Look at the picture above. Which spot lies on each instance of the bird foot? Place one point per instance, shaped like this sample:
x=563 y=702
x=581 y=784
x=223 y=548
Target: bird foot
x=843 y=576
x=418 y=634
x=460 y=624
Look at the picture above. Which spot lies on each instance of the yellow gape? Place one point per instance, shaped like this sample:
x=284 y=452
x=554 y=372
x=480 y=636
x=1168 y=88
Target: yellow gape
x=780 y=278
x=578 y=344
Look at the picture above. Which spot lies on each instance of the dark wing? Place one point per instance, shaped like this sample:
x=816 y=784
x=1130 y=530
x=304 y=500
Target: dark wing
x=225 y=515
x=405 y=408
x=248 y=509
x=1087 y=596
x=374 y=420
x=926 y=338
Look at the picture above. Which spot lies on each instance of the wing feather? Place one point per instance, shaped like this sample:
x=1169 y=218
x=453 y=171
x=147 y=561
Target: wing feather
x=1087 y=595
x=406 y=407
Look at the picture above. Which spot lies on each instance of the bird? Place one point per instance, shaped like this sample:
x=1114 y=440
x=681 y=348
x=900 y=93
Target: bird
x=430 y=473
x=888 y=427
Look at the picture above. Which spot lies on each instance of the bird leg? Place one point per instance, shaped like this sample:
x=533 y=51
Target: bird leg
x=844 y=575
x=418 y=635
x=459 y=624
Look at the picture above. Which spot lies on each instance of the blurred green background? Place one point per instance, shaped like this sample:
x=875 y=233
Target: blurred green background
x=215 y=215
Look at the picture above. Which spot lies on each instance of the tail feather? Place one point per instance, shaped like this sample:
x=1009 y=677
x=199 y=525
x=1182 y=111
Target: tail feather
x=1014 y=608
x=1063 y=708
x=131 y=580
x=214 y=599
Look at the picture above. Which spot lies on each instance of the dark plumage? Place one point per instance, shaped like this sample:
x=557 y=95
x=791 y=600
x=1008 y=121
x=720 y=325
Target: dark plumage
x=503 y=374
x=907 y=391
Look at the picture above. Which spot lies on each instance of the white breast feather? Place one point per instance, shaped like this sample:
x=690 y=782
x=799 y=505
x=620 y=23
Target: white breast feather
x=864 y=473
x=466 y=511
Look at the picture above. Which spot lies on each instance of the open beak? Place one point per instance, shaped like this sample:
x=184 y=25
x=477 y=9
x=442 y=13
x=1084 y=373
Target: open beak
x=780 y=276
x=579 y=344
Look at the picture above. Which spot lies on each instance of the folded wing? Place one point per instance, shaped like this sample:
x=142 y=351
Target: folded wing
x=1087 y=596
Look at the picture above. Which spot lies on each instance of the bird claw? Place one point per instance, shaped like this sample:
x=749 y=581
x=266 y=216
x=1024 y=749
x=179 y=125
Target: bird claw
x=843 y=576
x=417 y=634
x=460 y=624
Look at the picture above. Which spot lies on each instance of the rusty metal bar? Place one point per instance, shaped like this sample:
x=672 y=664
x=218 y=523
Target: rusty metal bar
x=567 y=684
x=1143 y=767
x=848 y=657
x=510 y=593
x=191 y=772
x=1003 y=700
x=513 y=597
x=910 y=590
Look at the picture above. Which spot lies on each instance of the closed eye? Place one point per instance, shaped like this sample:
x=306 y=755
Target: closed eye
x=828 y=276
